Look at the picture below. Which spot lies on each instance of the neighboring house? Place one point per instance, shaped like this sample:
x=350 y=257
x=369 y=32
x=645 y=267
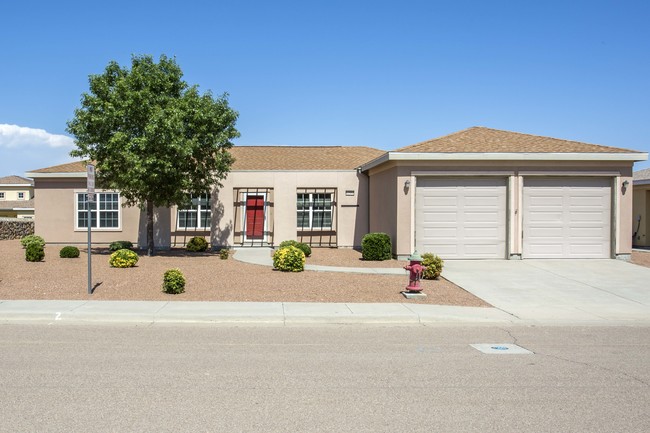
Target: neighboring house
x=16 y=197
x=478 y=193
x=641 y=209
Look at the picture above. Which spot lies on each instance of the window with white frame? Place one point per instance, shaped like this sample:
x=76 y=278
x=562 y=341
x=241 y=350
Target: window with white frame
x=21 y=196
x=314 y=211
x=2 y=195
x=105 y=209
x=197 y=215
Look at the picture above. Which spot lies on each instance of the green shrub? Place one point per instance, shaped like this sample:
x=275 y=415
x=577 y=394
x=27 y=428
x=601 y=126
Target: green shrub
x=224 y=253
x=29 y=239
x=376 y=246
x=197 y=244
x=34 y=252
x=123 y=259
x=173 y=282
x=69 y=252
x=120 y=245
x=289 y=259
x=433 y=266
x=301 y=246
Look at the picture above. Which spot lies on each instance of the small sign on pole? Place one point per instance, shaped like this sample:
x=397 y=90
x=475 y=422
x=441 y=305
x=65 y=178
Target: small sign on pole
x=90 y=198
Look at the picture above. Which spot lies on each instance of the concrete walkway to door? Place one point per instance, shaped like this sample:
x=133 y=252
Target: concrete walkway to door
x=558 y=291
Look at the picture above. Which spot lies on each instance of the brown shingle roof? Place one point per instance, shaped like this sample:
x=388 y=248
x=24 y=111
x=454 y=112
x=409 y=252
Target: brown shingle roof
x=302 y=157
x=13 y=204
x=274 y=158
x=15 y=180
x=642 y=174
x=70 y=167
x=485 y=140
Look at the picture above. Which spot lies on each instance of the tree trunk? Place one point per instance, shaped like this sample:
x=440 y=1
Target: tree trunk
x=150 y=245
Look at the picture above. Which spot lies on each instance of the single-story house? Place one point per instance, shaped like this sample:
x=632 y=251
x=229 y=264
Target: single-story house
x=641 y=209
x=16 y=197
x=476 y=194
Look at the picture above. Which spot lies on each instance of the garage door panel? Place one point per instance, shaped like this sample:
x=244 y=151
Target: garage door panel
x=567 y=217
x=474 y=207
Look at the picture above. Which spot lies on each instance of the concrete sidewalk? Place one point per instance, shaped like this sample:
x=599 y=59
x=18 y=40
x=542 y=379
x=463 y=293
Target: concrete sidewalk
x=262 y=256
x=280 y=313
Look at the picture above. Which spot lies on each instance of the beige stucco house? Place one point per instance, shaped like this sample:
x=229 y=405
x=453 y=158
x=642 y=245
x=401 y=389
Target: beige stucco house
x=476 y=194
x=641 y=209
x=16 y=197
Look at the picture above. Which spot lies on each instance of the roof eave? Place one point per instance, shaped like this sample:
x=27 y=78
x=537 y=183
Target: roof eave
x=56 y=175
x=504 y=156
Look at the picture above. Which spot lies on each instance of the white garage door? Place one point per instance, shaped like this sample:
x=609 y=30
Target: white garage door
x=567 y=217
x=461 y=218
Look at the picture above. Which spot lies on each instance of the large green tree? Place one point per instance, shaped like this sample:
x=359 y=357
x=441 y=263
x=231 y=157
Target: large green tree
x=153 y=137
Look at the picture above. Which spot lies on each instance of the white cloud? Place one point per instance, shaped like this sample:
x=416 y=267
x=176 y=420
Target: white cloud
x=12 y=136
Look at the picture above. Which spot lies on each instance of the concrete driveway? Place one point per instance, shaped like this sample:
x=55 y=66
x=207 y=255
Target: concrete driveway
x=559 y=291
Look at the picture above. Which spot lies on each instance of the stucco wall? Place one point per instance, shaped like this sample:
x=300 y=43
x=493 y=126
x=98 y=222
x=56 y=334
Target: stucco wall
x=351 y=211
x=54 y=207
x=387 y=181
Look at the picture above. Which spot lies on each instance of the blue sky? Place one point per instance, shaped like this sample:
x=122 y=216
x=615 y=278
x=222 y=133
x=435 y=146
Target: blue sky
x=370 y=73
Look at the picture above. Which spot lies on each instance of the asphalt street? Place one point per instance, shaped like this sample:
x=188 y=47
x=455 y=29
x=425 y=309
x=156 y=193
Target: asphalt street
x=73 y=377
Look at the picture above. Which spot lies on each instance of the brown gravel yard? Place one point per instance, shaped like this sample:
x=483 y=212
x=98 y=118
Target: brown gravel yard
x=212 y=279
x=641 y=258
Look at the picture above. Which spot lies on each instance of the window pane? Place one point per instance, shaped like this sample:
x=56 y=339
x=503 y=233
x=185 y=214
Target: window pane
x=187 y=219
x=108 y=220
x=303 y=220
x=206 y=218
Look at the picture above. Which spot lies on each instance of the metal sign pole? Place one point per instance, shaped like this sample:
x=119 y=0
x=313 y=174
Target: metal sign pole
x=90 y=199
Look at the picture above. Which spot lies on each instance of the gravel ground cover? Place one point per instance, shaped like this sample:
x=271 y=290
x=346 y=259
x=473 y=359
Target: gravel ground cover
x=641 y=258
x=211 y=279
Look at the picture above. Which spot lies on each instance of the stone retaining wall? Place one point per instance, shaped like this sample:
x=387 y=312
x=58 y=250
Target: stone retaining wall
x=14 y=228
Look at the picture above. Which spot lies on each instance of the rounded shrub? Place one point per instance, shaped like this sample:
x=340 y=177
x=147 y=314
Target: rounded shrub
x=123 y=259
x=120 y=245
x=376 y=246
x=224 y=253
x=30 y=239
x=173 y=282
x=197 y=244
x=69 y=252
x=433 y=266
x=34 y=252
x=289 y=259
x=301 y=246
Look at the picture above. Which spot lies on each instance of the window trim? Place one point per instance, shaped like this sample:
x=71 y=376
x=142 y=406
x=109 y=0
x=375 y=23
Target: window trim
x=19 y=195
x=198 y=211
x=2 y=195
x=98 y=229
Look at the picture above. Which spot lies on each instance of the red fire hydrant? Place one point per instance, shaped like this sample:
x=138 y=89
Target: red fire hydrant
x=415 y=269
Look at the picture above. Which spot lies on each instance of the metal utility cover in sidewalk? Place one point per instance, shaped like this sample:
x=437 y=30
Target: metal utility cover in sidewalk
x=501 y=349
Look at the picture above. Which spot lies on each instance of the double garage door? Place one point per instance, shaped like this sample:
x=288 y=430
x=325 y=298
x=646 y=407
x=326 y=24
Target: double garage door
x=466 y=218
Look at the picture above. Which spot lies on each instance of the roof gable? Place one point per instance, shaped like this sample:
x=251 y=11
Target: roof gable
x=15 y=180
x=479 y=139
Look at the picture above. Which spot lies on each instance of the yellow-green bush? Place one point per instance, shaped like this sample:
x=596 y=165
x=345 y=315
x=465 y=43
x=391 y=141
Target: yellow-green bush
x=173 y=282
x=123 y=259
x=433 y=266
x=289 y=259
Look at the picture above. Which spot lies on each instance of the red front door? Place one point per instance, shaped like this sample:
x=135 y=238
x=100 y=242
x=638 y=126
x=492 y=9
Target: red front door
x=255 y=217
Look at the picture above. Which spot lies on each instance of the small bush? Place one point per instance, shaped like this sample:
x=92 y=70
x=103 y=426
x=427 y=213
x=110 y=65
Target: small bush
x=120 y=245
x=224 y=253
x=30 y=239
x=289 y=259
x=433 y=266
x=123 y=259
x=376 y=246
x=34 y=252
x=301 y=246
x=69 y=252
x=197 y=244
x=173 y=282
